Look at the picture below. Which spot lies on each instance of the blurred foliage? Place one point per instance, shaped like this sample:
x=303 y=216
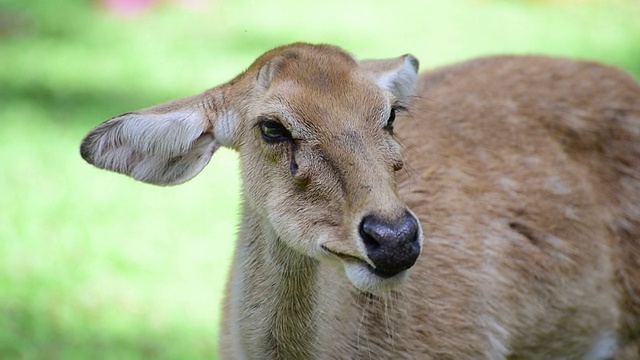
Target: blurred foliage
x=71 y=54
x=94 y=265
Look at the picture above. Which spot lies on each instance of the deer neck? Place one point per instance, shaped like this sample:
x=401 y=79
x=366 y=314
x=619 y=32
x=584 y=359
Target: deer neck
x=274 y=301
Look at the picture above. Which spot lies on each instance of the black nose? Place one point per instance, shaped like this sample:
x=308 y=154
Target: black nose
x=392 y=247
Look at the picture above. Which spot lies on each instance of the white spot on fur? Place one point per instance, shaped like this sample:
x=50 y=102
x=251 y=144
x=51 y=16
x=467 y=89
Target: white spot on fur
x=509 y=185
x=531 y=161
x=604 y=348
x=570 y=213
x=497 y=339
x=558 y=186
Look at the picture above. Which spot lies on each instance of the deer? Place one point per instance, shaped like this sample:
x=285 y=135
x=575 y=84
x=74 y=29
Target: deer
x=483 y=210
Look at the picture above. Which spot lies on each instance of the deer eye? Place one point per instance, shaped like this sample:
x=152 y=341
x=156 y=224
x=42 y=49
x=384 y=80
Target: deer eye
x=392 y=118
x=273 y=132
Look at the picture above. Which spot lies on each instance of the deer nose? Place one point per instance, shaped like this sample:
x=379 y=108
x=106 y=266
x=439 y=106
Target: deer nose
x=391 y=247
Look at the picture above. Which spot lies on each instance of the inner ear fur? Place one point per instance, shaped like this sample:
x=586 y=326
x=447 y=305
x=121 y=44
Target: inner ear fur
x=166 y=144
x=396 y=75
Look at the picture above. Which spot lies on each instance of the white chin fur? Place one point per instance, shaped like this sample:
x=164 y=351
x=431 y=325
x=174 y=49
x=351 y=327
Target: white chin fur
x=365 y=280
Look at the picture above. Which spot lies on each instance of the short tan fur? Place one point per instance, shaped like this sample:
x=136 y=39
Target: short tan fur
x=486 y=210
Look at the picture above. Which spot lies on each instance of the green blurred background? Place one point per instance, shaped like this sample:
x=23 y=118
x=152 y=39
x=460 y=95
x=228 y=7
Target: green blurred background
x=94 y=265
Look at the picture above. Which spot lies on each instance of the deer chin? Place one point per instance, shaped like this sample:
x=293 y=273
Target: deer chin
x=364 y=278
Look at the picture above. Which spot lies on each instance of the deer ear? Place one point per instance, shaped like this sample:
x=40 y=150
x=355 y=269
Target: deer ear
x=397 y=75
x=166 y=144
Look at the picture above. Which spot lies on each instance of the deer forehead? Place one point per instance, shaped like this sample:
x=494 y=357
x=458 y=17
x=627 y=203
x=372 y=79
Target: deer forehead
x=310 y=110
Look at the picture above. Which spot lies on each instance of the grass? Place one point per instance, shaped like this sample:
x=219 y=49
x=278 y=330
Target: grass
x=92 y=262
x=96 y=266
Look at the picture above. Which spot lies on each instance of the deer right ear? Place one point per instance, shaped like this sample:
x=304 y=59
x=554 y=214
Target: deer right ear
x=397 y=75
x=166 y=144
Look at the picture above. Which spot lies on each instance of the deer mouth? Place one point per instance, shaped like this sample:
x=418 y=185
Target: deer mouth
x=366 y=277
x=342 y=256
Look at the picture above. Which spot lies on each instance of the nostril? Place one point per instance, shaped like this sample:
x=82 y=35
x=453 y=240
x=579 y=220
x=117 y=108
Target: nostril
x=391 y=246
x=368 y=234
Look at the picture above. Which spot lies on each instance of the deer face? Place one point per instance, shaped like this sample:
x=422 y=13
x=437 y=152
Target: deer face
x=314 y=130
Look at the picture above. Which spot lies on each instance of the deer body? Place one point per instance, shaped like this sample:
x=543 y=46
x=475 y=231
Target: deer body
x=524 y=173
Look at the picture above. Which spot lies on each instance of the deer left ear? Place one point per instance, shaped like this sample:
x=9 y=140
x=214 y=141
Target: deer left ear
x=397 y=75
x=166 y=144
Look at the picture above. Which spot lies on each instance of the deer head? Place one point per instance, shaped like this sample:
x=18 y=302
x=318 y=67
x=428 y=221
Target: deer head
x=314 y=131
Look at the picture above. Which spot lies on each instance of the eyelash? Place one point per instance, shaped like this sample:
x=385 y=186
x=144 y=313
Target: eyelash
x=395 y=109
x=273 y=131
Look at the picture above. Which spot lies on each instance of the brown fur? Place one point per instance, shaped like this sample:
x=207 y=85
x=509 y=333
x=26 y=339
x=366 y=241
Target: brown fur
x=526 y=177
x=523 y=171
